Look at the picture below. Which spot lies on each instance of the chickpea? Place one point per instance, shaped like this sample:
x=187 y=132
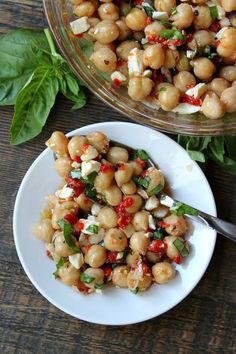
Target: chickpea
x=234 y=83
x=137 y=203
x=96 y=256
x=168 y=97
x=108 y=11
x=212 y=107
x=163 y=272
x=98 y=45
x=218 y=85
x=106 y=31
x=137 y=169
x=123 y=29
x=139 y=88
x=154 y=56
x=44 y=230
x=104 y=59
x=171 y=250
x=86 y=8
x=107 y=217
x=99 y=140
x=125 y=47
x=228 y=5
x=61 y=247
x=143 y=283
x=203 y=38
x=119 y=276
x=104 y=179
x=97 y=274
x=113 y=195
x=183 y=62
x=68 y=274
x=84 y=203
x=139 y=242
x=154 y=29
x=132 y=259
x=136 y=19
x=203 y=18
x=183 y=17
x=228 y=97
x=153 y=257
x=123 y=174
x=93 y=21
x=228 y=73
x=156 y=177
x=227 y=44
x=141 y=220
x=75 y=145
x=164 y=5
x=233 y=20
x=171 y=58
x=60 y=210
x=129 y=187
x=183 y=79
x=199 y=2
x=115 y=240
x=58 y=143
x=117 y=154
x=63 y=166
x=177 y=225
x=203 y=68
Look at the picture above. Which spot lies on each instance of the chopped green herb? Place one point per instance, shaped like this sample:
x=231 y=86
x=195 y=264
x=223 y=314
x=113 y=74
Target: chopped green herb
x=214 y=12
x=99 y=286
x=149 y=10
x=91 y=193
x=113 y=265
x=141 y=154
x=206 y=51
x=144 y=182
x=181 y=247
x=163 y=88
x=156 y=190
x=101 y=243
x=172 y=33
x=179 y=209
x=135 y=291
x=67 y=233
x=159 y=234
x=78 y=174
x=85 y=278
x=59 y=264
x=92 y=228
x=173 y=11
x=91 y=177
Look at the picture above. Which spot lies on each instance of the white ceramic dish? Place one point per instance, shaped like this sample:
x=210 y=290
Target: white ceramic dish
x=116 y=306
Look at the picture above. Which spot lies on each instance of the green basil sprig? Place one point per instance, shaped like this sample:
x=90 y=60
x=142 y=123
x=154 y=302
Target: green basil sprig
x=67 y=233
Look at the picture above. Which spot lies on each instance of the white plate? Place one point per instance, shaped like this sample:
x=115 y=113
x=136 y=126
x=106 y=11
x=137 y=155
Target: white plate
x=116 y=306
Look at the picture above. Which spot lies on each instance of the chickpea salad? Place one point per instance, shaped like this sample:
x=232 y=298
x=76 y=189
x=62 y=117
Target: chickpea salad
x=175 y=55
x=105 y=226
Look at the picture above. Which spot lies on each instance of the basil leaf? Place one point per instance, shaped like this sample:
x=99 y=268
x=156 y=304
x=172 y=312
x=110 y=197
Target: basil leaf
x=156 y=190
x=181 y=247
x=206 y=51
x=67 y=233
x=18 y=60
x=214 y=12
x=91 y=177
x=159 y=234
x=91 y=193
x=135 y=291
x=99 y=286
x=78 y=174
x=216 y=147
x=230 y=142
x=163 y=88
x=69 y=87
x=141 y=154
x=172 y=33
x=173 y=11
x=59 y=264
x=85 y=278
x=33 y=105
x=144 y=182
x=179 y=209
x=92 y=228
x=149 y=10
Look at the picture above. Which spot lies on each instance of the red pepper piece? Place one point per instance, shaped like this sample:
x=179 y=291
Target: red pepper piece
x=122 y=167
x=158 y=246
x=79 y=35
x=112 y=257
x=140 y=162
x=77 y=159
x=79 y=226
x=148 y=21
x=163 y=224
x=105 y=167
x=78 y=191
x=74 y=183
x=117 y=82
x=107 y=271
x=215 y=26
x=71 y=218
x=177 y=259
x=124 y=220
x=191 y=100
x=87 y=248
x=143 y=174
x=120 y=63
x=189 y=37
x=145 y=268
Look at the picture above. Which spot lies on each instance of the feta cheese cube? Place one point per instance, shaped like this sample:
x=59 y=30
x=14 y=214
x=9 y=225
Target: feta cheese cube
x=190 y=54
x=225 y=22
x=119 y=76
x=95 y=209
x=88 y=167
x=221 y=12
x=80 y=25
x=147 y=73
x=160 y=15
x=88 y=223
x=186 y=108
x=65 y=192
x=76 y=164
x=144 y=41
x=151 y=222
x=142 y=193
x=89 y=154
x=197 y=91
x=135 y=62
x=152 y=203
x=77 y=260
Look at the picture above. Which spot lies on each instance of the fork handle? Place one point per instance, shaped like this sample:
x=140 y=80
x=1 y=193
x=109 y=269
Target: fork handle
x=223 y=227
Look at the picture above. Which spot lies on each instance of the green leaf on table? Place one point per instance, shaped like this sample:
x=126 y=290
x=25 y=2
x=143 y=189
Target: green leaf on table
x=230 y=141
x=217 y=149
x=33 y=105
x=18 y=60
x=69 y=88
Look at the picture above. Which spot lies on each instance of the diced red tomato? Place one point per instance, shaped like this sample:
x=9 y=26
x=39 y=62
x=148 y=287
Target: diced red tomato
x=148 y=21
x=215 y=26
x=74 y=182
x=79 y=35
x=191 y=100
x=122 y=167
x=177 y=259
x=189 y=37
x=105 y=167
x=87 y=248
x=71 y=218
x=163 y=224
x=82 y=287
x=140 y=162
x=79 y=226
x=77 y=159
x=143 y=174
x=112 y=257
x=78 y=191
x=158 y=246
x=107 y=271
x=120 y=63
x=145 y=268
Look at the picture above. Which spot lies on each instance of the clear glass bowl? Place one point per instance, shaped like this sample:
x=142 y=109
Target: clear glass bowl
x=59 y=14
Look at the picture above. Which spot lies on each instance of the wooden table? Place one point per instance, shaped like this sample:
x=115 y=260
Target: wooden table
x=203 y=323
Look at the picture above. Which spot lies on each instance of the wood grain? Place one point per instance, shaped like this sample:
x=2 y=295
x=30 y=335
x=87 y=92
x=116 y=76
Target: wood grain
x=204 y=322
